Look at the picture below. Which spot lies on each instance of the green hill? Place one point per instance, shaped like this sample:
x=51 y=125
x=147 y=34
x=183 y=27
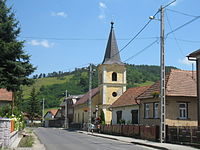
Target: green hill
x=76 y=82
x=48 y=81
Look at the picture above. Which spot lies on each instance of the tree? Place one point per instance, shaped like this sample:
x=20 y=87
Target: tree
x=34 y=108
x=14 y=62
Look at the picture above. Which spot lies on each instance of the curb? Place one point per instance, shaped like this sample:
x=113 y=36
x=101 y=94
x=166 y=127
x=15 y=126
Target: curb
x=138 y=143
x=148 y=145
x=40 y=142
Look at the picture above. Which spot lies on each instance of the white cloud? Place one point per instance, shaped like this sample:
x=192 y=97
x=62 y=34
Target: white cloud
x=59 y=14
x=102 y=7
x=43 y=43
x=102 y=16
x=185 y=61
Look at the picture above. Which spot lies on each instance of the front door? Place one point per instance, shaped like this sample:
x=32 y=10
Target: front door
x=134 y=116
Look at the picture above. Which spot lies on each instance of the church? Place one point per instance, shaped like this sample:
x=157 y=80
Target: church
x=111 y=85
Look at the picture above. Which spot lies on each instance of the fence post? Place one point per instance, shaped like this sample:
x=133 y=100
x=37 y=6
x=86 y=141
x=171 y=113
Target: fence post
x=177 y=134
x=191 y=140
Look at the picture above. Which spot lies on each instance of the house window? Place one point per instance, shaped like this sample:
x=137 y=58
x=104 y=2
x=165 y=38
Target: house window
x=147 y=110
x=183 y=110
x=155 y=110
x=119 y=116
x=114 y=76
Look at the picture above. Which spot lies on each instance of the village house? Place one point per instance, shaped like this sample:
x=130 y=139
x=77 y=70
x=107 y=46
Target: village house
x=81 y=107
x=195 y=56
x=112 y=83
x=181 y=100
x=5 y=97
x=70 y=101
x=50 y=115
x=125 y=110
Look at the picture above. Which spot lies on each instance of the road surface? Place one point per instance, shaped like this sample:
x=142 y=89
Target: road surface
x=58 y=139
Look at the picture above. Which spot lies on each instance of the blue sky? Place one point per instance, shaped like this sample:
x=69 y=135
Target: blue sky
x=63 y=34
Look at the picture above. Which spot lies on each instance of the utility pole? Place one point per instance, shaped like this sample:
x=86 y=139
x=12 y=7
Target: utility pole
x=43 y=110
x=162 y=77
x=162 y=72
x=90 y=97
x=66 y=109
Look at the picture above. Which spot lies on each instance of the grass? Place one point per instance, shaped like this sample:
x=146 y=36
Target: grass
x=147 y=83
x=45 y=82
x=26 y=141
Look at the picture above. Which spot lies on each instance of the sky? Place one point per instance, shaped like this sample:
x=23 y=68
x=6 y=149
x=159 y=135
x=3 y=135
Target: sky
x=61 y=35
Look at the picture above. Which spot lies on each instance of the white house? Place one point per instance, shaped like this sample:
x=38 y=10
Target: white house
x=125 y=110
x=50 y=115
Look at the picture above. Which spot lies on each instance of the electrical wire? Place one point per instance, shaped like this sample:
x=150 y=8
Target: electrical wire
x=83 y=39
x=187 y=23
x=188 y=41
x=136 y=35
x=148 y=46
x=179 y=47
x=182 y=13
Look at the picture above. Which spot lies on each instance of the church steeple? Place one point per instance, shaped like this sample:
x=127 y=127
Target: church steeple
x=112 y=53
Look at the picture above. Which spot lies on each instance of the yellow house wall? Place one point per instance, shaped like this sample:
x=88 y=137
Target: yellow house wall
x=172 y=116
x=79 y=110
x=172 y=112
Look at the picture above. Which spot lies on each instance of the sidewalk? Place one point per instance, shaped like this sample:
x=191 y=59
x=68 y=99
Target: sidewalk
x=36 y=146
x=163 y=146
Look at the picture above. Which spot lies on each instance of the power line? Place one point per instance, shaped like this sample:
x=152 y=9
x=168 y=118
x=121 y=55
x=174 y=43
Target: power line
x=182 y=26
x=148 y=46
x=82 y=39
x=136 y=35
x=189 y=41
x=179 y=47
x=182 y=13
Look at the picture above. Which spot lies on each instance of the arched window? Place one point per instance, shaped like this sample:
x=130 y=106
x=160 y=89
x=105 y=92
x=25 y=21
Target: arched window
x=114 y=76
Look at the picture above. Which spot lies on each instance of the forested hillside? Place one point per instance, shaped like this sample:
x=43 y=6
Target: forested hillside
x=53 y=85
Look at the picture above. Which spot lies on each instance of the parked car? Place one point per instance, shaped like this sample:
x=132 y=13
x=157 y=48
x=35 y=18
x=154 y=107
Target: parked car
x=93 y=127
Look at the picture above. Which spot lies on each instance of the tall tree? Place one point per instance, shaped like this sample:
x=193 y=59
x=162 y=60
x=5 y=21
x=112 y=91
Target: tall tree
x=14 y=62
x=34 y=108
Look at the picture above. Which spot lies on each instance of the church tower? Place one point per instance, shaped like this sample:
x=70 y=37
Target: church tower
x=112 y=76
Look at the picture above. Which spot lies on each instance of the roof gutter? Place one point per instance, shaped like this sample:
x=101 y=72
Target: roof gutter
x=191 y=58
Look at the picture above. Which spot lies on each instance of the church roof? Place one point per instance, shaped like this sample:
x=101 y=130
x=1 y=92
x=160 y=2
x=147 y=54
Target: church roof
x=112 y=53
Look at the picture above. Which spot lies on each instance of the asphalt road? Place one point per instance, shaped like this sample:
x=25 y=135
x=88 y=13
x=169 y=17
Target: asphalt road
x=58 y=139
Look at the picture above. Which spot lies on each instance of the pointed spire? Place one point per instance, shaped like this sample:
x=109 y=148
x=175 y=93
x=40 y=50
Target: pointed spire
x=112 y=53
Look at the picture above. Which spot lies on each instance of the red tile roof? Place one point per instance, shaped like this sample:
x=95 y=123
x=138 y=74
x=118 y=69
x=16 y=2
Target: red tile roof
x=85 y=97
x=5 y=95
x=178 y=83
x=129 y=97
x=53 y=111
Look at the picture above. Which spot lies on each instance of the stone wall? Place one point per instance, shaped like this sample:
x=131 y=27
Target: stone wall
x=6 y=137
